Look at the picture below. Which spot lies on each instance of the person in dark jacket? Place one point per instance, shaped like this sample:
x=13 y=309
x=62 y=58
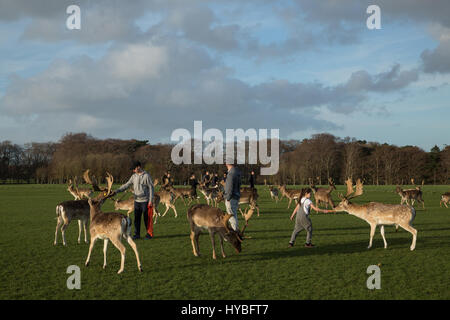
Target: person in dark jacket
x=232 y=193
x=252 y=180
x=193 y=183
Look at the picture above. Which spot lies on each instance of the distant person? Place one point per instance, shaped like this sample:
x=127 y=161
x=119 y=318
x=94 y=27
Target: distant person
x=215 y=179
x=232 y=193
x=193 y=183
x=303 y=221
x=143 y=197
x=206 y=179
x=252 y=180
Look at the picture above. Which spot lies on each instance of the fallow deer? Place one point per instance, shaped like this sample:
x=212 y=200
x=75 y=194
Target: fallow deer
x=72 y=210
x=202 y=216
x=274 y=193
x=324 y=194
x=375 y=213
x=289 y=193
x=410 y=195
x=445 y=198
x=109 y=226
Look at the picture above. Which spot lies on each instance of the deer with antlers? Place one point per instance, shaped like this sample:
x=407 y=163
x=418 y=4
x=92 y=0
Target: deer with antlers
x=202 y=216
x=109 y=226
x=378 y=214
x=249 y=197
x=77 y=193
x=324 y=194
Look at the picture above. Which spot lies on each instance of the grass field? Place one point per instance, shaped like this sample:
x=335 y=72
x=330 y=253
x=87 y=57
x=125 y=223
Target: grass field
x=33 y=268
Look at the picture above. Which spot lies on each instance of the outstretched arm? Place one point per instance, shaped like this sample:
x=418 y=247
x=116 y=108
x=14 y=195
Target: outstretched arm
x=320 y=210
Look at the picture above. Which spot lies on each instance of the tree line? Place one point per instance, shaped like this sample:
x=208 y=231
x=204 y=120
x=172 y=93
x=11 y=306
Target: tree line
x=318 y=158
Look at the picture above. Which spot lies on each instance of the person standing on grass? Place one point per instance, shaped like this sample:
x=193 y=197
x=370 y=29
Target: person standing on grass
x=143 y=197
x=232 y=193
x=303 y=221
x=252 y=180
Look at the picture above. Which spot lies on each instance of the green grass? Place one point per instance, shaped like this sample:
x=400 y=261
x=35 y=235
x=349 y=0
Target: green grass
x=31 y=267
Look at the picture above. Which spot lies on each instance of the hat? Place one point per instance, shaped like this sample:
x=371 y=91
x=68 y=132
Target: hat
x=136 y=164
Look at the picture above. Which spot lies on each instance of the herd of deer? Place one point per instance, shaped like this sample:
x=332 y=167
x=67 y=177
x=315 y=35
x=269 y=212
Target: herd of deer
x=113 y=226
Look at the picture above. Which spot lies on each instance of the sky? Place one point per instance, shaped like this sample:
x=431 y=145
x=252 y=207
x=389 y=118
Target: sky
x=141 y=69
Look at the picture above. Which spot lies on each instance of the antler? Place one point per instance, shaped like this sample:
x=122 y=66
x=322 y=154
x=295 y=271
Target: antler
x=349 y=184
x=358 y=190
x=110 y=181
x=92 y=182
x=226 y=217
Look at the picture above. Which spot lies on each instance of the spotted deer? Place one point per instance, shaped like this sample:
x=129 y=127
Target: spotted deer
x=324 y=194
x=289 y=193
x=378 y=214
x=109 y=226
x=72 y=210
x=203 y=216
x=445 y=198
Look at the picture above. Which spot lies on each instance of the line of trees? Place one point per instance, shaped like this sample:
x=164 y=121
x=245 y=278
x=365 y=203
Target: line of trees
x=318 y=158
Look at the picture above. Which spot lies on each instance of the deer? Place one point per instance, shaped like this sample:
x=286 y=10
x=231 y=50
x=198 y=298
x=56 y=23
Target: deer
x=324 y=194
x=209 y=193
x=166 y=198
x=76 y=192
x=72 y=210
x=203 y=216
x=445 y=198
x=180 y=193
x=249 y=197
x=290 y=194
x=410 y=195
x=378 y=214
x=274 y=193
x=109 y=226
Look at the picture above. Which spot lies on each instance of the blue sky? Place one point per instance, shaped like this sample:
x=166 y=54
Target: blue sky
x=143 y=69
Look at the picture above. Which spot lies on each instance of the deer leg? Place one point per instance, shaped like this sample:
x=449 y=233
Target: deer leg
x=105 y=247
x=84 y=228
x=63 y=231
x=382 y=235
x=194 y=248
x=133 y=246
x=175 y=210
x=58 y=225
x=167 y=209
x=213 y=242
x=93 y=239
x=119 y=245
x=79 y=230
x=289 y=204
x=413 y=231
x=372 y=232
x=221 y=248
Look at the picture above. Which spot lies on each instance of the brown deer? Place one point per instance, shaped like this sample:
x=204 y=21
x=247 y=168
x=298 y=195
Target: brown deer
x=202 y=216
x=250 y=198
x=180 y=193
x=410 y=195
x=72 y=210
x=324 y=194
x=274 y=193
x=289 y=193
x=375 y=213
x=109 y=226
x=76 y=192
x=445 y=198
x=166 y=198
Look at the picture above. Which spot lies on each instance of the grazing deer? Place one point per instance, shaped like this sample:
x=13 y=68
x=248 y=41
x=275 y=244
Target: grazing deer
x=290 y=194
x=202 y=216
x=166 y=198
x=411 y=195
x=110 y=226
x=445 y=198
x=324 y=194
x=209 y=193
x=274 y=193
x=375 y=213
x=72 y=210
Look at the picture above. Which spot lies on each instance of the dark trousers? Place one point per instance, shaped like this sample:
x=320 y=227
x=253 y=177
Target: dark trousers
x=140 y=208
